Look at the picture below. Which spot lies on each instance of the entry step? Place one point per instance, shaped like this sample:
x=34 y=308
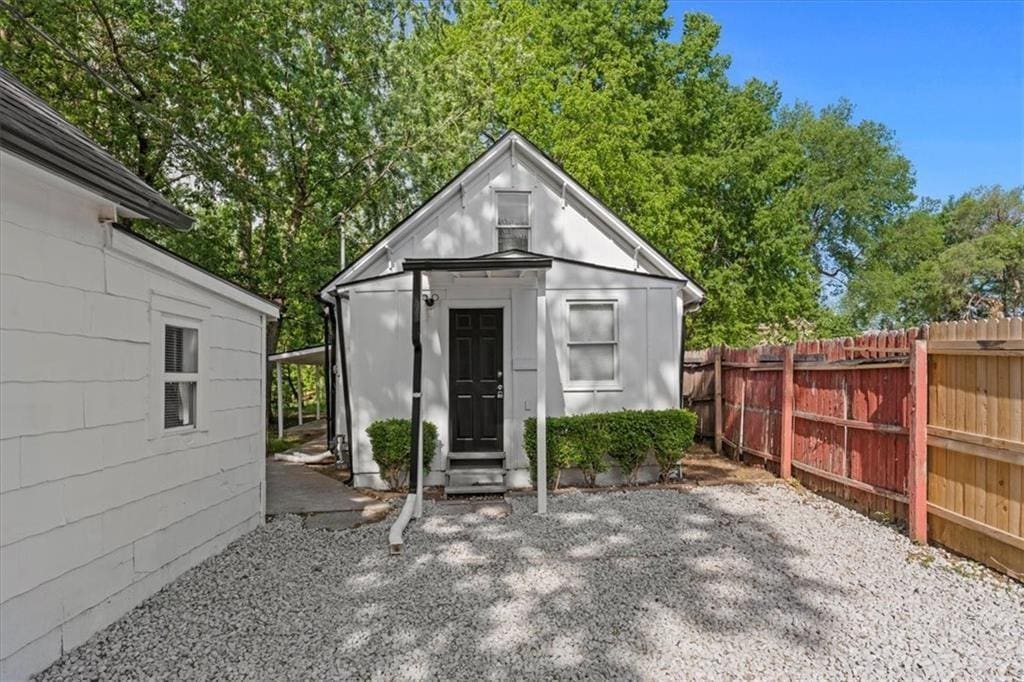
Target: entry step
x=476 y=455
x=474 y=490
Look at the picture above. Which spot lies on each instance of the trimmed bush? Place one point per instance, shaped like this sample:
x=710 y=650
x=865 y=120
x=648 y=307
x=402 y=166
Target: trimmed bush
x=672 y=433
x=629 y=437
x=389 y=439
x=630 y=440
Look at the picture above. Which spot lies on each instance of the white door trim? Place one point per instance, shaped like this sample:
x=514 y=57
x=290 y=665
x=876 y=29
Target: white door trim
x=505 y=304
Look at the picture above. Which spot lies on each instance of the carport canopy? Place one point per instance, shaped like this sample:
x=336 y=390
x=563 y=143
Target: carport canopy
x=313 y=355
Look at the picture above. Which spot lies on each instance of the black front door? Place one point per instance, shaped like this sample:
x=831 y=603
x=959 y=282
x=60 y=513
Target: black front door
x=475 y=372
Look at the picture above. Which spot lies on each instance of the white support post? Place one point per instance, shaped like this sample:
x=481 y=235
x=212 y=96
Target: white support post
x=298 y=390
x=280 y=403
x=542 y=417
x=317 y=384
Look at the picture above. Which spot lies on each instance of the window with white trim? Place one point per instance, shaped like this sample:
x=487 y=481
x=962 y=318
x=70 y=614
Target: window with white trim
x=513 y=210
x=181 y=376
x=593 y=343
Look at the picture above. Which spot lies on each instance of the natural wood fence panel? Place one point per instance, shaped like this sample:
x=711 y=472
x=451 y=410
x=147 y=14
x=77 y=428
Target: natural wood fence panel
x=699 y=389
x=853 y=433
x=976 y=443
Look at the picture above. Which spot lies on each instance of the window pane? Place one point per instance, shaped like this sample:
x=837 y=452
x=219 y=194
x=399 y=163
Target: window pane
x=513 y=238
x=513 y=208
x=181 y=349
x=592 y=363
x=591 y=322
x=179 y=404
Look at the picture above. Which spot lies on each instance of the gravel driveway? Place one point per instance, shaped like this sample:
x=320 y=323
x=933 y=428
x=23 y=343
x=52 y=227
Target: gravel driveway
x=757 y=582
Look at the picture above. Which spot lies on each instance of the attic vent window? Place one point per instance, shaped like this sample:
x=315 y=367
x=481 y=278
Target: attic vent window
x=181 y=376
x=513 y=209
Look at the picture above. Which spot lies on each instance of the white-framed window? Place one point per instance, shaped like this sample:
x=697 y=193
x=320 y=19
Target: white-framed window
x=179 y=369
x=512 y=208
x=181 y=375
x=593 y=340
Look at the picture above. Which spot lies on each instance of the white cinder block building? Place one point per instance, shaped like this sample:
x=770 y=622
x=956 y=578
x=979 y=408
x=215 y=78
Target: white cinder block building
x=131 y=393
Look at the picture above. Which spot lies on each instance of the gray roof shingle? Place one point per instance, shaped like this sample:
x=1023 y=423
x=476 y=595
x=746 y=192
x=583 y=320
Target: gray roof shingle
x=33 y=131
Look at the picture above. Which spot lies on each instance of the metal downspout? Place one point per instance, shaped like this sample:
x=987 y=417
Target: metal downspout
x=412 y=498
x=417 y=381
x=332 y=435
x=339 y=320
x=682 y=356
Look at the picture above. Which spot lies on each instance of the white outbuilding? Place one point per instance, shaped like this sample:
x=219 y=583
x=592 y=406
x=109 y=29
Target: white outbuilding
x=132 y=389
x=512 y=293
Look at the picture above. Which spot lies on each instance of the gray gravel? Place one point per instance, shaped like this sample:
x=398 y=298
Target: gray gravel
x=757 y=582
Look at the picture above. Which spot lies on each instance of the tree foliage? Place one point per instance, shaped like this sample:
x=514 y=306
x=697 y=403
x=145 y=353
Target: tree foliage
x=963 y=259
x=277 y=123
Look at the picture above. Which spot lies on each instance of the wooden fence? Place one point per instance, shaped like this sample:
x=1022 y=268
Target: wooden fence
x=928 y=431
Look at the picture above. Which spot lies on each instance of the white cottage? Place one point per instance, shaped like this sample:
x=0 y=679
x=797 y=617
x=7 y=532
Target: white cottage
x=516 y=277
x=132 y=428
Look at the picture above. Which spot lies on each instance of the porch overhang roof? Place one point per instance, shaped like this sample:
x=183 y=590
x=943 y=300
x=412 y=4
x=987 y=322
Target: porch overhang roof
x=497 y=261
x=313 y=355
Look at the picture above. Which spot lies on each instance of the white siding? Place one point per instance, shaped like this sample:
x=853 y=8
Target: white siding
x=97 y=513
x=380 y=354
x=565 y=229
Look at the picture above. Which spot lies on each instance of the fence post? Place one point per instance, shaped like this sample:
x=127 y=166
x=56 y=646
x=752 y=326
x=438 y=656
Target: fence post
x=917 y=473
x=718 y=400
x=786 y=426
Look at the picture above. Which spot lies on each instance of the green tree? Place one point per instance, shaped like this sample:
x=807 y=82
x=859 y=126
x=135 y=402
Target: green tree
x=269 y=123
x=276 y=124
x=752 y=199
x=960 y=260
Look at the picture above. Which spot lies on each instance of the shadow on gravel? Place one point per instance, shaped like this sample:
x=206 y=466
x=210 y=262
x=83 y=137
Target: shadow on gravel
x=619 y=585
x=606 y=589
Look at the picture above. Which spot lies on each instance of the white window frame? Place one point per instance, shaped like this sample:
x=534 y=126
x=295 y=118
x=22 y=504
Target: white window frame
x=583 y=384
x=167 y=311
x=529 y=217
x=181 y=377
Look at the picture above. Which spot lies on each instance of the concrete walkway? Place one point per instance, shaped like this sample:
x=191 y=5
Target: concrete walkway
x=324 y=501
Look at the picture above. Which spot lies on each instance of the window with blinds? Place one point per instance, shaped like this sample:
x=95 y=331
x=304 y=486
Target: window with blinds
x=181 y=376
x=513 y=209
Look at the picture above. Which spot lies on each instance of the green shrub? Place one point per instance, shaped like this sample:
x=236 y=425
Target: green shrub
x=672 y=433
x=390 y=441
x=556 y=453
x=628 y=437
x=629 y=441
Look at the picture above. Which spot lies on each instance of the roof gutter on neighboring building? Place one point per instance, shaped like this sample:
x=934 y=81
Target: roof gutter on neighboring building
x=33 y=131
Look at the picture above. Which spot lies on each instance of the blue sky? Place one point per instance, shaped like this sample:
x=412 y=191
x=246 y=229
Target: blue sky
x=947 y=77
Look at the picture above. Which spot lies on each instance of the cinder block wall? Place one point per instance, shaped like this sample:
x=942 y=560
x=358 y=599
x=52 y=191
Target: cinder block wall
x=96 y=512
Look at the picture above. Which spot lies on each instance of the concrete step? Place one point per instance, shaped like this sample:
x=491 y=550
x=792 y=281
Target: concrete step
x=459 y=477
x=475 y=477
x=475 y=490
x=474 y=471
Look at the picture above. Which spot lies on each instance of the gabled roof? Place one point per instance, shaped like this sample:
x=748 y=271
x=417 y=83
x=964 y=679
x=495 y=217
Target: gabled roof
x=33 y=131
x=523 y=148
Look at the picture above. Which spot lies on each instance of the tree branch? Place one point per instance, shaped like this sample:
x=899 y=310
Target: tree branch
x=115 y=49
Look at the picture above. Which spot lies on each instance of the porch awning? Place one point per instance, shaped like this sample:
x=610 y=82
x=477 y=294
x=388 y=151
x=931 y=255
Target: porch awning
x=503 y=261
x=314 y=355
